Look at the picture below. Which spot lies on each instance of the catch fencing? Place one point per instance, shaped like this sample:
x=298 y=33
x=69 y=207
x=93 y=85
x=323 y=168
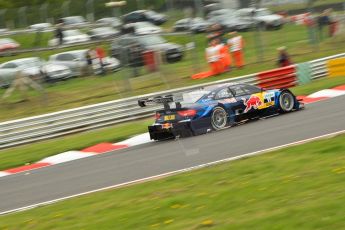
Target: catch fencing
x=27 y=130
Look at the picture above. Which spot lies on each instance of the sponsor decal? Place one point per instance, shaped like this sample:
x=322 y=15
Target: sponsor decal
x=269 y=99
x=254 y=102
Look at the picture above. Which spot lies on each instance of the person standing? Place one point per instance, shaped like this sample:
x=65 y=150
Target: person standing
x=89 y=60
x=310 y=23
x=59 y=33
x=283 y=57
x=213 y=57
x=101 y=55
x=236 y=45
x=225 y=57
x=323 y=21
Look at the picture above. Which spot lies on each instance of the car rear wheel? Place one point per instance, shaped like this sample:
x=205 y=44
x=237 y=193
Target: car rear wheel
x=219 y=118
x=286 y=102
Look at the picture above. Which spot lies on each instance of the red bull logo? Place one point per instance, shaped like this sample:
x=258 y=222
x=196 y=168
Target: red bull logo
x=252 y=103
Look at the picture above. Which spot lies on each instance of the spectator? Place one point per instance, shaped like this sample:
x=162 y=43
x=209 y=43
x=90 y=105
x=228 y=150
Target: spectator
x=333 y=24
x=100 y=53
x=310 y=23
x=323 y=20
x=283 y=58
x=236 y=45
x=135 y=58
x=59 y=33
x=89 y=59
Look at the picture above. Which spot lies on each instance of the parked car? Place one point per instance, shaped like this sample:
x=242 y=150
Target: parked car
x=76 y=61
x=42 y=27
x=70 y=37
x=3 y=30
x=33 y=67
x=231 y=23
x=141 y=28
x=74 y=21
x=103 y=33
x=221 y=12
x=120 y=48
x=110 y=21
x=8 y=44
x=195 y=25
x=144 y=15
x=212 y=7
x=262 y=17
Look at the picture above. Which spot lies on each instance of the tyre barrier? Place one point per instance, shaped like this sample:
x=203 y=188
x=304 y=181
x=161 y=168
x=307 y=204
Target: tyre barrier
x=336 y=67
x=285 y=77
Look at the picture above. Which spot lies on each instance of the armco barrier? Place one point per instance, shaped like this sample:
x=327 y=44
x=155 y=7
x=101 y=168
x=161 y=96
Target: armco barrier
x=303 y=71
x=22 y=131
x=278 y=78
x=319 y=68
x=336 y=67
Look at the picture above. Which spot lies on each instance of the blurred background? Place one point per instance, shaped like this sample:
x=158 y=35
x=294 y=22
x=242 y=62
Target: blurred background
x=146 y=45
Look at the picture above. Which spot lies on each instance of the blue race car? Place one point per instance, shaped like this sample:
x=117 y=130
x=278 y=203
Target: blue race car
x=215 y=108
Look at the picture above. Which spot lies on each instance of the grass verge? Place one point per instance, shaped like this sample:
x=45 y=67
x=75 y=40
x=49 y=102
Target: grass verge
x=301 y=187
x=33 y=152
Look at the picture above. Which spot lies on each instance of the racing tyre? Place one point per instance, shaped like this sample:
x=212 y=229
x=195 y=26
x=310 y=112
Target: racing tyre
x=219 y=118
x=286 y=102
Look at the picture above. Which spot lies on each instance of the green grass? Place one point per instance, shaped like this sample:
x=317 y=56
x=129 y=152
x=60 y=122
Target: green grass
x=33 y=152
x=317 y=85
x=30 y=153
x=301 y=187
x=88 y=90
x=297 y=6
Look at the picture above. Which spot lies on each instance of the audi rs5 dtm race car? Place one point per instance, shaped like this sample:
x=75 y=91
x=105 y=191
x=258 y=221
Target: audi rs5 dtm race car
x=215 y=108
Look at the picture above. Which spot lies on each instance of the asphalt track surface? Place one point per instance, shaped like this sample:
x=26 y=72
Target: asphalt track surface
x=152 y=159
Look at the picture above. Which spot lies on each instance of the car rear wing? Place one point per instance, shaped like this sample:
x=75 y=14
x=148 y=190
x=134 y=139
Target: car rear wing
x=165 y=100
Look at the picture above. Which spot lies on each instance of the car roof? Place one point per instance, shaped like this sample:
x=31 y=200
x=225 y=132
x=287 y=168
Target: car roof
x=72 y=52
x=22 y=59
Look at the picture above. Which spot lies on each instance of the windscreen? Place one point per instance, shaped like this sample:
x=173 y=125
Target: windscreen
x=32 y=62
x=151 y=40
x=194 y=96
x=5 y=41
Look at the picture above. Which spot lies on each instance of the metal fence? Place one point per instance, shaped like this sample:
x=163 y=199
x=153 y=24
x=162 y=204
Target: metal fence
x=52 y=125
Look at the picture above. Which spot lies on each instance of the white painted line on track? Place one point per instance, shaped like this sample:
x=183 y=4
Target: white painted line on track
x=175 y=172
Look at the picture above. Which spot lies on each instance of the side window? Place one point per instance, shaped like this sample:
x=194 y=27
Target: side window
x=250 y=89
x=65 y=57
x=238 y=90
x=223 y=93
x=9 y=66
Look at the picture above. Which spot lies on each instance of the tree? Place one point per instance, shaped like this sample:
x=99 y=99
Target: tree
x=310 y=4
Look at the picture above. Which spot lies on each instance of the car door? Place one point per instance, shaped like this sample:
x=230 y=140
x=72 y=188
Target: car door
x=7 y=73
x=226 y=98
x=252 y=98
x=70 y=61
